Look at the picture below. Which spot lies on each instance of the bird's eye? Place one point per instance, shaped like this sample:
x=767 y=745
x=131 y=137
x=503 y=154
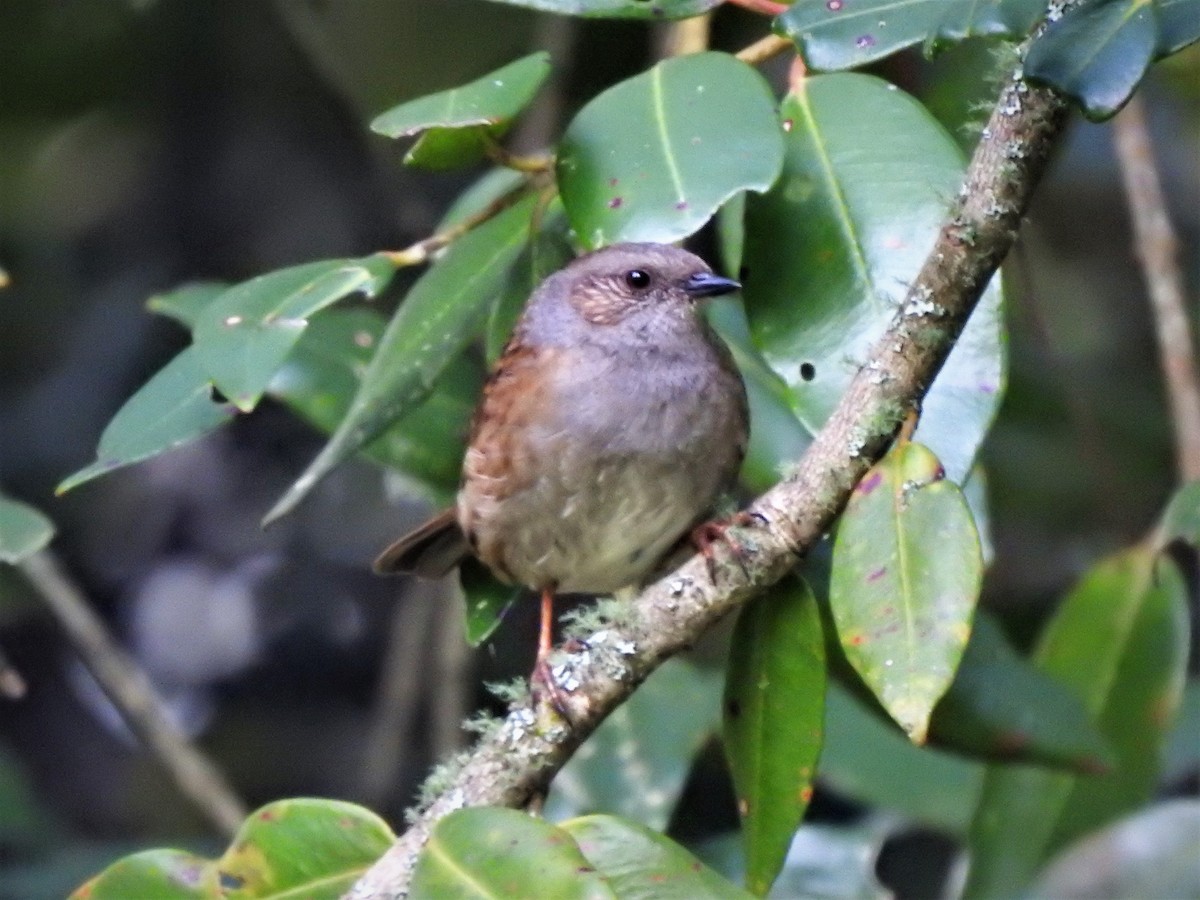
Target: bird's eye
x=637 y=279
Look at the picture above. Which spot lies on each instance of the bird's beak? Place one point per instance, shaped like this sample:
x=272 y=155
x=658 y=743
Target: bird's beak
x=706 y=284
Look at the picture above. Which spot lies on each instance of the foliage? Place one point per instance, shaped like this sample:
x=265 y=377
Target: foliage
x=828 y=198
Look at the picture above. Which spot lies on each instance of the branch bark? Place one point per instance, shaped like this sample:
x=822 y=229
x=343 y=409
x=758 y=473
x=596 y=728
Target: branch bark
x=517 y=760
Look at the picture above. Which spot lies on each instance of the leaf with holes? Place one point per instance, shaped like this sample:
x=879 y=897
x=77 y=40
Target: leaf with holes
x=1097 y=53
x=832 y=247
x=906 y=575
x=845 y=34
x=172 y=408
x=774 y=710
x=457 y=122
x=307 y=848
x=491 y=852
x=652 y=158
x=23 y=530
x=444 y=311
x=243 y=336
x=654 y=10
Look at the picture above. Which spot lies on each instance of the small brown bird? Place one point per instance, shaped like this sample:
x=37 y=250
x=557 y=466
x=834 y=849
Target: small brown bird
x=608 y=428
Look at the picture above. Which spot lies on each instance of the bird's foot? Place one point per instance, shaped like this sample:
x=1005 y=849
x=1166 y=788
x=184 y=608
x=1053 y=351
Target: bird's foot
x=706 y=535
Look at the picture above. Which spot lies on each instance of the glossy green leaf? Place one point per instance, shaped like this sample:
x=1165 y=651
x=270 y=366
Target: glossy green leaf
x=652 y=158
x=154 y=875
x=457 y=121
x=1119 y=642
x=320 y=378
x=869 y=760
x=906 y=576
x=654 y=10
x=172 y=408
x=832 y=246
x=487 y=600
x=23 y=530
x=308 y=848
x=636 y=763
x=243 y=336
x=1154 y=853
x=1178 y=25
x=774 y=710
x=487 y=852
x=641 y=864
x=777 y=437
x=1096 y=53
x=1181 y=755
x=999 y=705
x=548 y=251
x=845 y=34
x=184 y=304
x=445 y=310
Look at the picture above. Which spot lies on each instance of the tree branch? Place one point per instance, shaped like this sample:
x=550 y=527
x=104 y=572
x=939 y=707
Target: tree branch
x=1157 y=250
x=126 y=685
x=517 y=760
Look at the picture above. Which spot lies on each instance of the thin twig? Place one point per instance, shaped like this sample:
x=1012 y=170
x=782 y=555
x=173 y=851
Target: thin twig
x=765 y=48
x=516 y=761
x=422 y=250
x=534 y=164
x=401 y=691
x=762 y=7
x=686 y=36
x=130 y=690
x=1158 y=252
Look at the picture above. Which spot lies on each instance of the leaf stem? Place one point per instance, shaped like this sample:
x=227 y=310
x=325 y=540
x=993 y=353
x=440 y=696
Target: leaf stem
x=763 y=7
x=530 y=165
x=764 y=48
x=422 y=250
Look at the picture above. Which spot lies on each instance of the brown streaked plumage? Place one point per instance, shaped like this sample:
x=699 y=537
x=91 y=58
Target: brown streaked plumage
x=608 y=428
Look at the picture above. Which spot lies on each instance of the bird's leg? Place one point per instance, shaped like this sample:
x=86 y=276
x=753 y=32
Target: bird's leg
x=705 y=535
x=541 y=683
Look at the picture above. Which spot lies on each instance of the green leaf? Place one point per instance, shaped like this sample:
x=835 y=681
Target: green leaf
x=307 y=848
x=845 y=34
x=1181 y=521
x=654 y=10
x=1119 y=642
x=445 y=310
x=774 y=711
x=777 y=438
x=906 y=576
x=1181 y=754
x=172 y=408
x=636 y=763
x=832 y=246
x=320 y=378
x=1178 y=25
x=652 y=158
x=641 y=864
x=1097 y=53
x=154 y=875
x=870 y=760
x=23 y=530
x=486 y=598
x=1150 y=854
x=486 y=852
x=244 y=335
x=457 y=121
x=1000 y=705
x=184 y=304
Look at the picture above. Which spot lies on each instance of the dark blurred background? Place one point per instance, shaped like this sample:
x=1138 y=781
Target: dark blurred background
x=146 y=143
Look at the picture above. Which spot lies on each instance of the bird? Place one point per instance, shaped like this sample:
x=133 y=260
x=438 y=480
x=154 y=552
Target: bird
x=612 y=422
